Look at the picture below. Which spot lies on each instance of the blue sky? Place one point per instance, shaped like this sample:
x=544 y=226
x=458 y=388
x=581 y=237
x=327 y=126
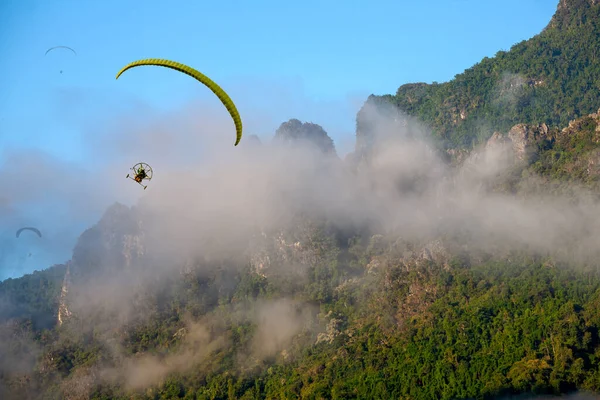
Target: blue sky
x=312 y=60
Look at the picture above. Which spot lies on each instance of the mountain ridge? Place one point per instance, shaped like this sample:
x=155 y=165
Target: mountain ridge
x=551 y=78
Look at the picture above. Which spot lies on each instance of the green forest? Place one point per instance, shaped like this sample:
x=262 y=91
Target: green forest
x=451 y=329
x=551 y=78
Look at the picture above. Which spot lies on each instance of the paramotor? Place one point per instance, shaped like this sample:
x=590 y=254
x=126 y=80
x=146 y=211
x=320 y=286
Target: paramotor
x=141 y=172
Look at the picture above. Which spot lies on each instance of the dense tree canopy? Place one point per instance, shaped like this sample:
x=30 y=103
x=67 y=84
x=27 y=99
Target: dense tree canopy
x=551 y=78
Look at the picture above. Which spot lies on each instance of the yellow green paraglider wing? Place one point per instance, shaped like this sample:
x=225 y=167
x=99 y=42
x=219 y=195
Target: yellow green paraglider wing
x=216 y=89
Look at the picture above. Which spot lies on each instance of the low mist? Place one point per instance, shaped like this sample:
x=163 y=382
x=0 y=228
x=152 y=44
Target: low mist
x=406 y=189
x=208 y=199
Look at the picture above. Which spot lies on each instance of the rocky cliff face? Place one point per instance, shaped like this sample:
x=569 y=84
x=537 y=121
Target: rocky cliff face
x=117 y=245
x=284 y=247
x=115 y=242
x=521 y=141
x=63 y=308
x=294 y=131
x=526 y=142
x=114 y=245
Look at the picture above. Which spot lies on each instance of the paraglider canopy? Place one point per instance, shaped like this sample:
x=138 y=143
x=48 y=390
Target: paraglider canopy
x=60 y=47
x=29 y=229
x=200 y=77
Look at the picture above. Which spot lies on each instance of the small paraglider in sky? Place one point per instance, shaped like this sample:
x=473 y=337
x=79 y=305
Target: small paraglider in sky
x=29 y=229
x=59 y=47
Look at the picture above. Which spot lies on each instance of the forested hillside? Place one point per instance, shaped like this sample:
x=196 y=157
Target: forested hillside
x=551 y=78
x=414 y=328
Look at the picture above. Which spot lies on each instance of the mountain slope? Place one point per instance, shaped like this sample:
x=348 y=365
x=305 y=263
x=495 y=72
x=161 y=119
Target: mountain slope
x=416 y=322
x=551 y=78
x=32 y=297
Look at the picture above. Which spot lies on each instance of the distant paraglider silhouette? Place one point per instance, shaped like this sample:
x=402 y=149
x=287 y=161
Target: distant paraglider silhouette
x=29 y=229
x=59 y=47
